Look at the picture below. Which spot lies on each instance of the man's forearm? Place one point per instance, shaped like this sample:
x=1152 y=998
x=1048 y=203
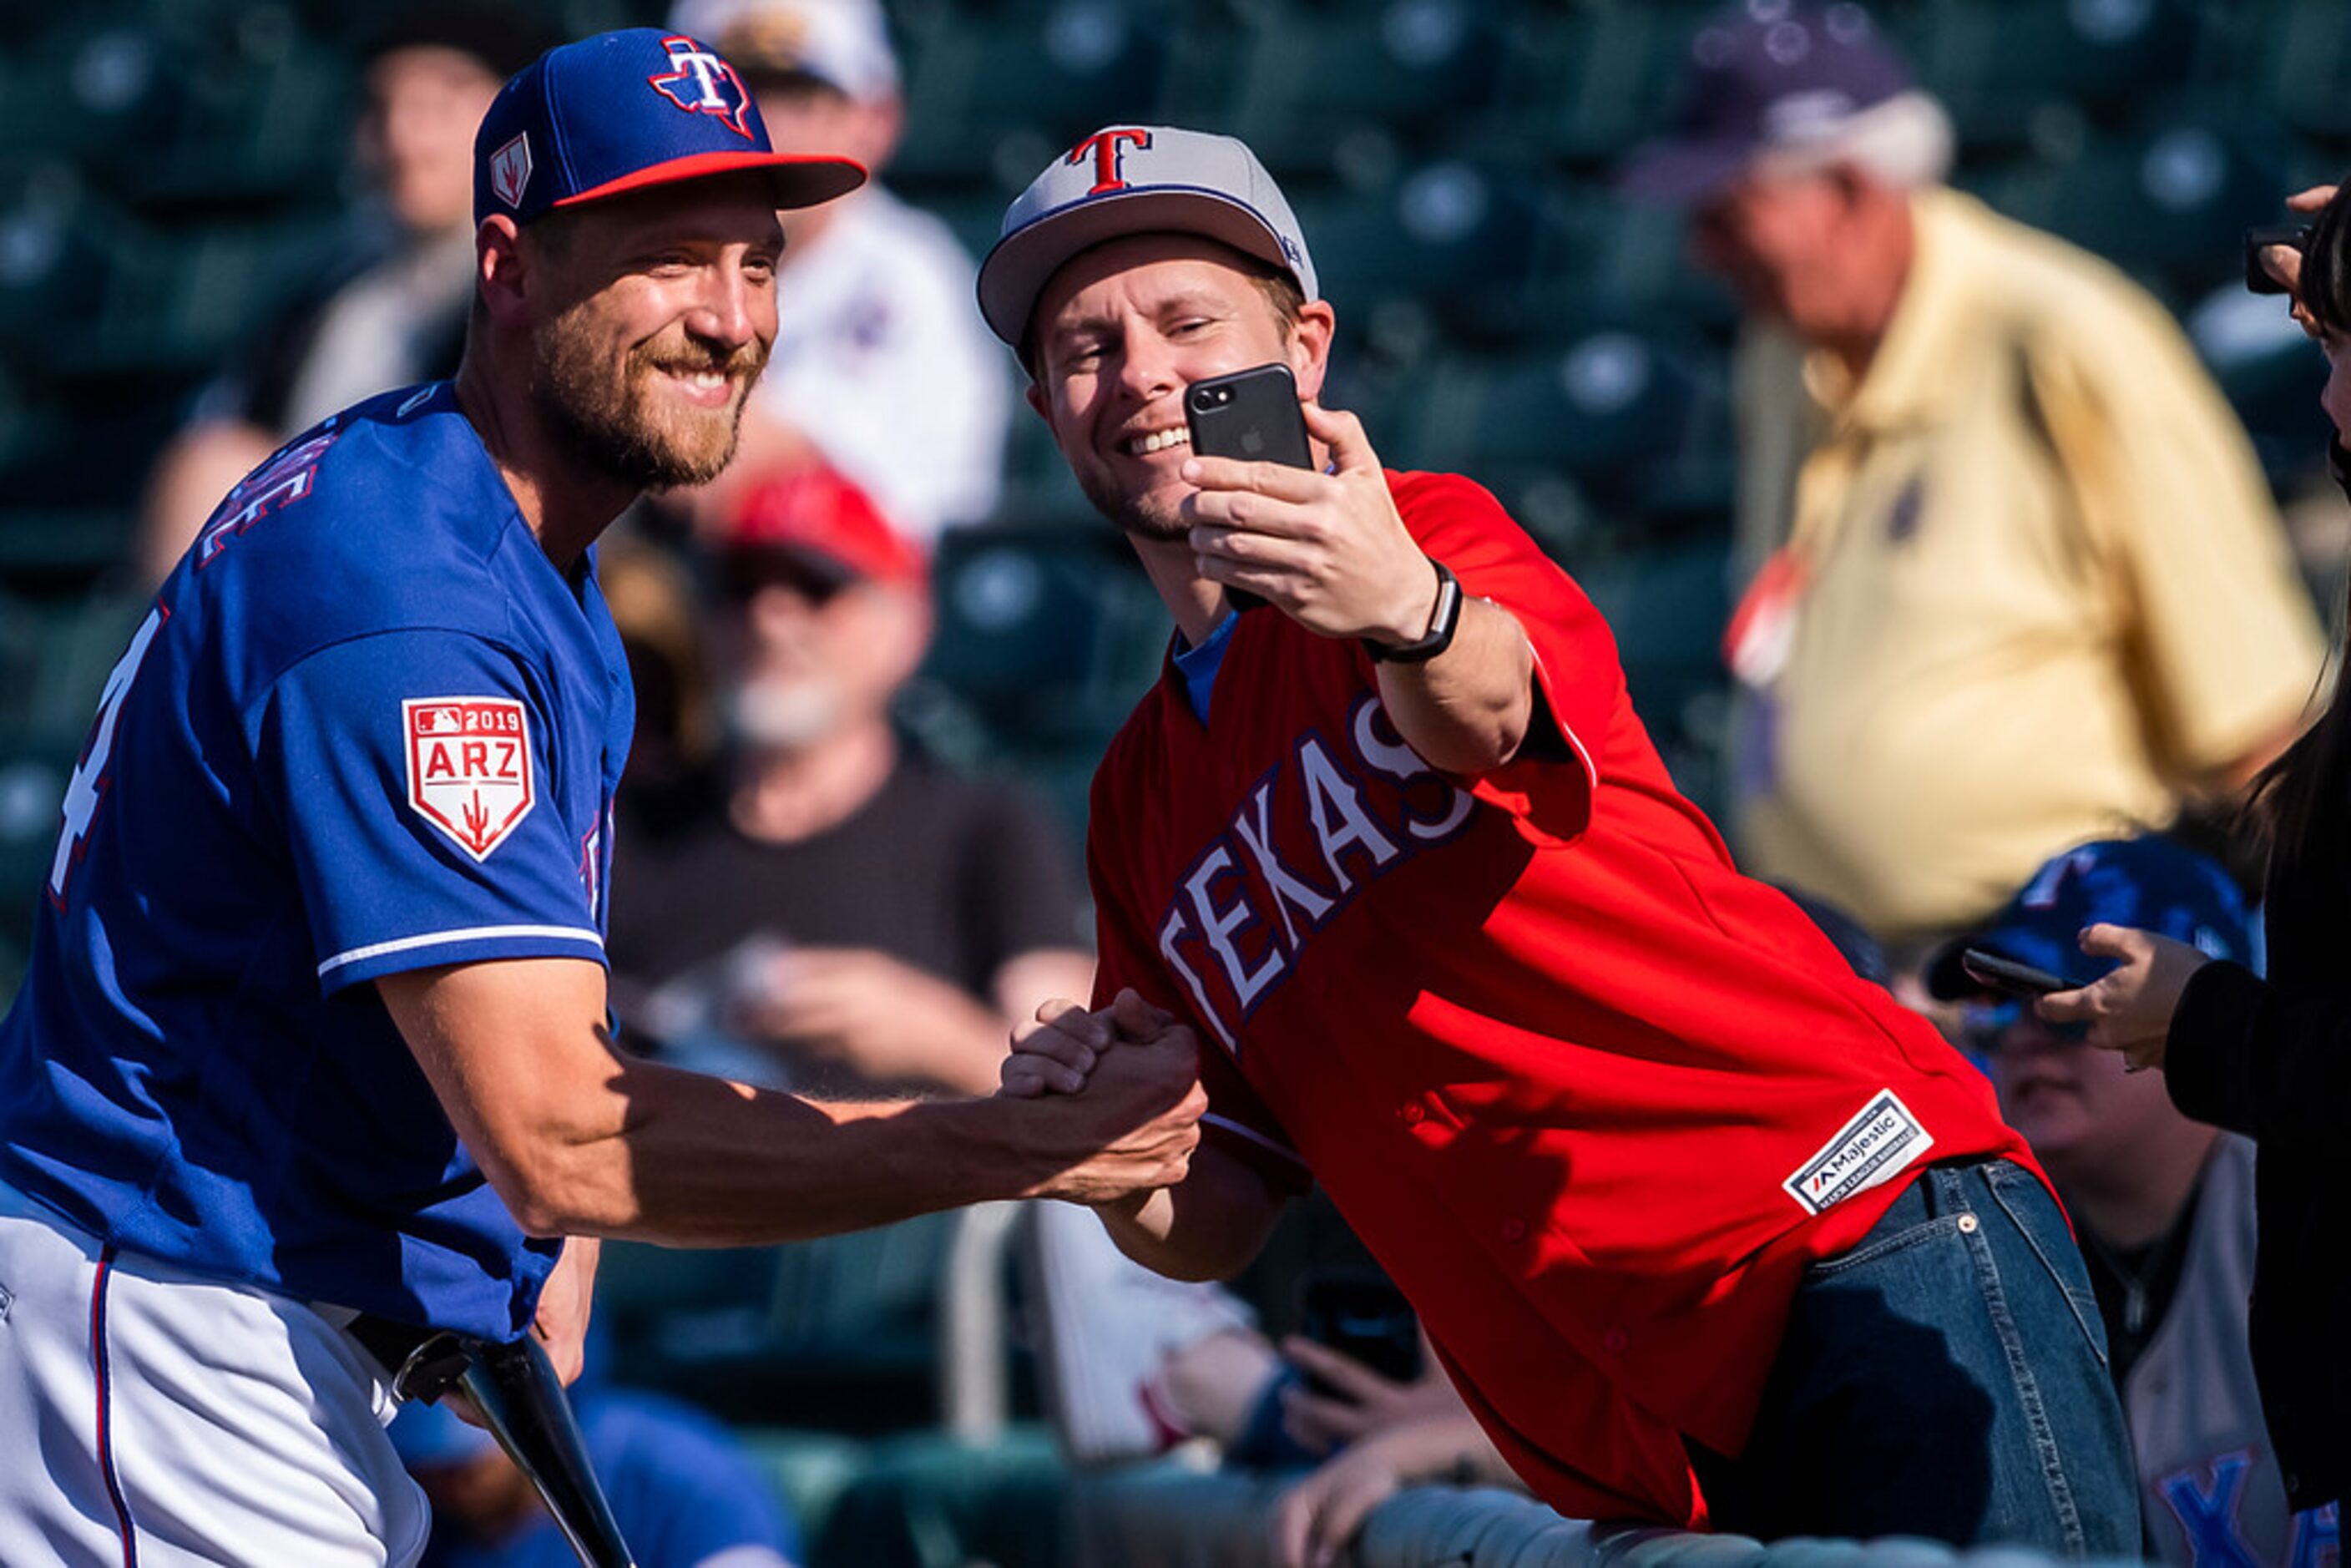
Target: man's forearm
x=690 y=1160
x=580 y=1140
x=1208 y=1227
x=1467 y=710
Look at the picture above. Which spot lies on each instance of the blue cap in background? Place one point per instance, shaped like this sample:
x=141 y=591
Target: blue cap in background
x=430 y=1436
x=625 y=111
x=2146 y=884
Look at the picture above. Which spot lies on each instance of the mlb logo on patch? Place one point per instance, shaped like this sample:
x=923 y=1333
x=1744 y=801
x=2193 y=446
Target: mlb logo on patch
x=469 y=768
x=510 y=170
x=1875 y=1146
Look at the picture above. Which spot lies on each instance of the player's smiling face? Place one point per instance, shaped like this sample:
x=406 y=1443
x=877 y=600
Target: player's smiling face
x=665 y=312
x=1121 y=332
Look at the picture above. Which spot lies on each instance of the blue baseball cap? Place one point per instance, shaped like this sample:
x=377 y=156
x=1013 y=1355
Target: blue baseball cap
x=625 y=111
x=1764 y=76
x=2148 y=883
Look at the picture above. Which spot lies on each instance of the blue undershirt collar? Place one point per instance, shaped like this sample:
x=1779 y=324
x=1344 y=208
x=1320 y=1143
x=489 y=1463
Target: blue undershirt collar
x=1198 y=665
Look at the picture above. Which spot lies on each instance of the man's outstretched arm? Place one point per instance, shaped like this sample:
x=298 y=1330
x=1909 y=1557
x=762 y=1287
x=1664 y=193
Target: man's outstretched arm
x=579 y=1139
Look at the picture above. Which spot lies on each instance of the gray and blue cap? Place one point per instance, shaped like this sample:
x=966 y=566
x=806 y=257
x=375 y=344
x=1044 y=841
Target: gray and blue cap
x=1129 y=180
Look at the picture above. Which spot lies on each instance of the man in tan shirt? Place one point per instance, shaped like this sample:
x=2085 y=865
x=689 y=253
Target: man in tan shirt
x=2013 y=581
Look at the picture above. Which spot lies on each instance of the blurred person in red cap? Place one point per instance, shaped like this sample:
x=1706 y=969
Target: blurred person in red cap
x=881 y=369
x=846 y=906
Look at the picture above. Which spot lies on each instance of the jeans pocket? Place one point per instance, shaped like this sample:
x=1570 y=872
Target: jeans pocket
x=2041 y=1224
x=1876 y=1249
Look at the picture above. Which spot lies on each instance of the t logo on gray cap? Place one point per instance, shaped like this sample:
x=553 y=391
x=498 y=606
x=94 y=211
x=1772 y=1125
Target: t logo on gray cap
x=1129 y=180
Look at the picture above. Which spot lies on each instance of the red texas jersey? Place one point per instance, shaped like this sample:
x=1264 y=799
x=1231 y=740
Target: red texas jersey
x=1593 y=1099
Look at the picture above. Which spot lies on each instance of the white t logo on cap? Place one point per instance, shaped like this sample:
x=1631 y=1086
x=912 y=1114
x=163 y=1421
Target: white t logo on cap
x=699 y=83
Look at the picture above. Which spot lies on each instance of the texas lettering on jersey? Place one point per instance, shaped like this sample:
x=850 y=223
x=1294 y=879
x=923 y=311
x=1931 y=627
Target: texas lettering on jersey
x=469 y=768
x=1333 y=818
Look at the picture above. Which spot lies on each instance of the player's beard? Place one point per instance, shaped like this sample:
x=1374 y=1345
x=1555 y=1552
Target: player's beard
x=618 y=424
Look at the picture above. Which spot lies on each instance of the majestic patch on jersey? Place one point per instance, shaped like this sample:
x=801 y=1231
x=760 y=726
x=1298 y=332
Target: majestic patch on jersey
x=469 y=768
x=699 y=83
x=510 y=170
x=1873 y=1147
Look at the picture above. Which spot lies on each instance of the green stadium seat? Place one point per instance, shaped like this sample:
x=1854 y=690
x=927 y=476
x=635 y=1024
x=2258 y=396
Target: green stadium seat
x=808 y=1470
x=839 y=1332
x=96 y=83
x=928 y=1500
x=1460 y=238
x=1601 y=252
x=1995 y=62
x=1615 y=409
x=989 y=98
x=1587 y=84
x=2166 y=201
x=1310 y=85
x=33 y=774
x=59 y=246
x=1046 y=632
x=1667 y=606
x=2294 y=59
x=266 y=120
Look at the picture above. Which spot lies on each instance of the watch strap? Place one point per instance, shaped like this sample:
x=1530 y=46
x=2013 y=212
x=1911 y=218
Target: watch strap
x=1442 y=623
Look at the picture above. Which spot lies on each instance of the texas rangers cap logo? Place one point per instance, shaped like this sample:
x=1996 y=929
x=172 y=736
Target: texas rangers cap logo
x=699 y=83
x=1108 y=149
x=469 y=768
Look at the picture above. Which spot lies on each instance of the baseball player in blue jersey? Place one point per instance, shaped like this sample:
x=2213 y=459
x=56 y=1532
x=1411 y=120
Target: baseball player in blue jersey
x=311 y=1058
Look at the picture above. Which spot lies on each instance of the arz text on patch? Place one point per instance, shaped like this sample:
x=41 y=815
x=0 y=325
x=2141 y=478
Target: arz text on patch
x=469 y=769
x=1873 y=1147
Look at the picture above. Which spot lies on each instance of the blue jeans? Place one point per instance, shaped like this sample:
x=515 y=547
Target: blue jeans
x=1945 y=1378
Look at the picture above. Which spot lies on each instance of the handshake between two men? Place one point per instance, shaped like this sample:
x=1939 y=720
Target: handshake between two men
x=1212 y=1215
x=1141 y=1070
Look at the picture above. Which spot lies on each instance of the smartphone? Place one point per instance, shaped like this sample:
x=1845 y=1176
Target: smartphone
x=1363 y=1315
x=2257 y=240
x=2006 y=975
x=1250 y=415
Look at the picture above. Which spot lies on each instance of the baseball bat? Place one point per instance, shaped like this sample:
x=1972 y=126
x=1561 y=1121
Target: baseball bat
x=523 y=1404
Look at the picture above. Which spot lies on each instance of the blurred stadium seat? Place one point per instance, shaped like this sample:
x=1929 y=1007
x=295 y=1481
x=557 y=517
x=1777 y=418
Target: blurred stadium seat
x=1046 y=632
x=2295 y=62
x=2166 y=199
x=1459 y=237
x=1612 y=409
x=1997 y=64
x=1419 y=74
x=989 y=97
x=840 y=1333
x=1588 y=81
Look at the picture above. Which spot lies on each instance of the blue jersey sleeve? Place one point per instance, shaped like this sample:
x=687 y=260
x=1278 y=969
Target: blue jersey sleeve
x=433 y=815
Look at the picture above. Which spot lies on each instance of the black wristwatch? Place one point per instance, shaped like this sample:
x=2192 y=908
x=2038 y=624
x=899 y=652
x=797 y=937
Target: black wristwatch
x=1441 y=625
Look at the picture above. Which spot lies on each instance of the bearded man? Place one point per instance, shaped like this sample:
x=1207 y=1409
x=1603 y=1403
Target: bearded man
x=311 y=1061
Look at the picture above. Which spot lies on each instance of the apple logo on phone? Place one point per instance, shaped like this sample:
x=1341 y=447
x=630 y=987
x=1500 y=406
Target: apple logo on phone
x=1252 y=442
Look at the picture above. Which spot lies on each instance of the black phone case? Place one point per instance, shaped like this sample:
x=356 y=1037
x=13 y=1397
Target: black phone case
x=2008 y=976
x=1251 y=414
